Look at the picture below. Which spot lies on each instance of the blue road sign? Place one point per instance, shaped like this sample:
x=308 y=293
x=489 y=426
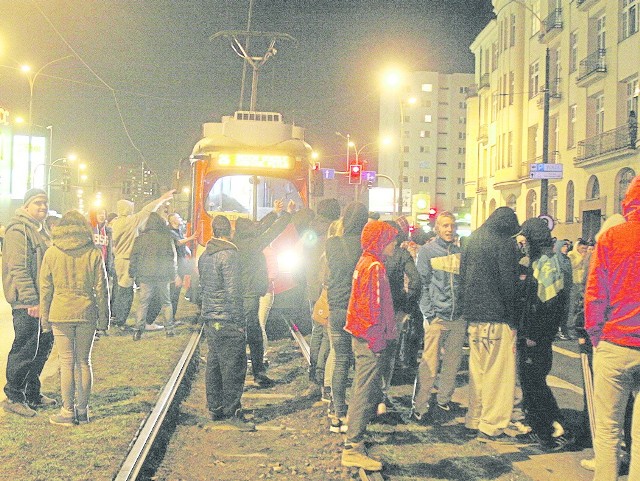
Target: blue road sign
x=328 y=174
x=369 y=175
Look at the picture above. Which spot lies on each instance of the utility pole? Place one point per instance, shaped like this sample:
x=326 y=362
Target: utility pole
x=544 y=183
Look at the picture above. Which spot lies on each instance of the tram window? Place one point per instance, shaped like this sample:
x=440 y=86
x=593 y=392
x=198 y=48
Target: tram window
x=235 y=195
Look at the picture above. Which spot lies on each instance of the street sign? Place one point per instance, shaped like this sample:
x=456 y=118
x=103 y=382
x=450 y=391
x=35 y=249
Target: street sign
x=545 y=171
x=549 y=220
x=328 y=174
x=369 y=175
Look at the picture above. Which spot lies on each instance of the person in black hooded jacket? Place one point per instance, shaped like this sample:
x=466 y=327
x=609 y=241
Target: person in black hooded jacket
x=488 y=275
x=251 y=238
x=342 y=253
x=153 y=265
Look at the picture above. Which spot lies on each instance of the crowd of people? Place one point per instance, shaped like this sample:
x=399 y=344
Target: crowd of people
x=507 y=293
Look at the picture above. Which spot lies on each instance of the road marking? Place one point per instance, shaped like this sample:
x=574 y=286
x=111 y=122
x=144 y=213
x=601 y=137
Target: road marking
x=566 y=352
x=554 y=381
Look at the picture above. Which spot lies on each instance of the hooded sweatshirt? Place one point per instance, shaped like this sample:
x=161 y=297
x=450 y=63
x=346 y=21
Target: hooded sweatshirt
x=73 y=280
x=124 y=230
x=25 y=243
x=612 y=296
x=153 y=257
x=370 y=314
x=489 y=270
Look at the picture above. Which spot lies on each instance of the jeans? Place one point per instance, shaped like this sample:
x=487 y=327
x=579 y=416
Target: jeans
x=492 y=376
x=341 y=342
x=319 y=350
x=264 y=308
x=250 y=306
x=540 y=406
x=440 y=334
x=226 y=367
x=28 y=355
x=616 y=371
x=123 y=301
x=156 y=306
x=367 y=388
x=159 y=290
x=74 y=341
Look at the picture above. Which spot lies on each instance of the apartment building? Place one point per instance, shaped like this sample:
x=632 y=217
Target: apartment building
x=427 y=113
x=593 y=52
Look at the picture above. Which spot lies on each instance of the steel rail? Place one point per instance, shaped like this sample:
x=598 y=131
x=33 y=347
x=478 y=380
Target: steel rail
x=151 y=426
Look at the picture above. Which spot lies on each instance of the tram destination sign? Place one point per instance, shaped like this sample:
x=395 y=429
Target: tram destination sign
x=256 y=161
x=545 y=171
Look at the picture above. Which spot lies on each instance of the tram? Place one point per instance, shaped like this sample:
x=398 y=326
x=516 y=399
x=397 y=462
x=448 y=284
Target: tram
x=243 y=164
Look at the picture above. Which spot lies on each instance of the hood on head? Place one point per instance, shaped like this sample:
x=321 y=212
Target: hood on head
x=329 y=209
x=355 y=217
x=124 y=207
x=71 y=237
x=631 y=202
x=401 y=236
x=245 y=228
x=537 y=233
x=557 y=248
x=155 y=222
x=503 y=220
x=615 y=219
x=377 y=235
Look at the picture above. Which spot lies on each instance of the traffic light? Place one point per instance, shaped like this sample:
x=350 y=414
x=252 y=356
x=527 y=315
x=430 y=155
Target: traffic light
x=355 y=174
x=420 y=208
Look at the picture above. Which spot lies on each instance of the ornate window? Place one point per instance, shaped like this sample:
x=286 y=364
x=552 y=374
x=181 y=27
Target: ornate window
x=532 y=204
x=593 y=188
x=623 y=179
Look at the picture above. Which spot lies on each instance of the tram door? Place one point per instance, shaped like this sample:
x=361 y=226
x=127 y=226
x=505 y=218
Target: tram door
x=591 y=220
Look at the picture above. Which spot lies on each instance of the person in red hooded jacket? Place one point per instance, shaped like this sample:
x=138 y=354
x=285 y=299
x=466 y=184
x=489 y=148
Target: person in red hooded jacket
x=612 y=320
x=371 y=322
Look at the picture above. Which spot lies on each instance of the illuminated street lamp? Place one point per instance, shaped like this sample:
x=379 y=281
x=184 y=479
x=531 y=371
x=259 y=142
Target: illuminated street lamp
x=31 y=77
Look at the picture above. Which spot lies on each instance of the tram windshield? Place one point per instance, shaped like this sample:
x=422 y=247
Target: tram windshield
x=249 y=195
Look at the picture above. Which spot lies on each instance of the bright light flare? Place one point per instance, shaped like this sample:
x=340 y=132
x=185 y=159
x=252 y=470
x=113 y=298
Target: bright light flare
x=393 y=79
x=25 y=68
x=289 y=261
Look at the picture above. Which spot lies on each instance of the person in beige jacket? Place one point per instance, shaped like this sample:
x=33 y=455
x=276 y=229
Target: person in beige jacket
x=124 y=230
x=74 y=302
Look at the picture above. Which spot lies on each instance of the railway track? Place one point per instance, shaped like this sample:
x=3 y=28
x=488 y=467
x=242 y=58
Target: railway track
x=151 y=437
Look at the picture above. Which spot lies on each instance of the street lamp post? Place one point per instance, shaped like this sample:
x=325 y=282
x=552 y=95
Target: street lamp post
x=31 y=78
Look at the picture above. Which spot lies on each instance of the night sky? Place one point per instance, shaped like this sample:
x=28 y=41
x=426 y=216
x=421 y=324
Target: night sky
x=169 y=78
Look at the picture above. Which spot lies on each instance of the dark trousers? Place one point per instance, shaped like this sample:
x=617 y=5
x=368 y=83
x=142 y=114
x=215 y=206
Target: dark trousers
x=250 y=306
x=155 y=306
x=319 y=352
x=226 y=367
x=124 y=299
x=538 y=402
x=29 y=353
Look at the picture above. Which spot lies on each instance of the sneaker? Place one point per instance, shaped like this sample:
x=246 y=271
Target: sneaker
x=588 y=464
x=82 y=417
x=421 y=419
x=381 y=410
x=21 y=409
x=263 y=380
x=563 y=337
x=42 y=402
x=558 y=430
x=354 y=455
x=240 y=423
x=339 y=425
x=153 y=327
x=504 y=438
x=519 y=427
x=137 y=334
x=446 y=407
x=61 y=420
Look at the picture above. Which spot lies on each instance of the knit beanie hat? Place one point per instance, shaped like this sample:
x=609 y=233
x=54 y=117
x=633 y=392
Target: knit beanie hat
x=329 y=209
x=403 y=223
x=31 y=195
x=537 y=232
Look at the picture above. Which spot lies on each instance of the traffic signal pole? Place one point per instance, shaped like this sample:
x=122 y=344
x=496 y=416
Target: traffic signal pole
x=544 y=183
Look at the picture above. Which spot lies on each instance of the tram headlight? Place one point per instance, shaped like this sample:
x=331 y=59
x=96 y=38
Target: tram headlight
x=289 y=261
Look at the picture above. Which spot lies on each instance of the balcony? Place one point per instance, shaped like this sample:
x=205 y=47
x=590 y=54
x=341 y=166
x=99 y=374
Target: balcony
x=608 y=145
x=482 y=185
x=554 y=93
x=485 y=81
x=483 y=134
x=472 y=91
x=584 y=5
x=592 y=68
x=551 y=26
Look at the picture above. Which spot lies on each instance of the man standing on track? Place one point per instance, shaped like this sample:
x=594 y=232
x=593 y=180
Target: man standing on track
x=225 y=326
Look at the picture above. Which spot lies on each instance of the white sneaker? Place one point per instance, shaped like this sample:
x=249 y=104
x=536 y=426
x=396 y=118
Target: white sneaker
x=558 y=430
x=153 y=327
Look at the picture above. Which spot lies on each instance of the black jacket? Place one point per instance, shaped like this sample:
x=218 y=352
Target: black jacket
x=220 y=283
x=153 y=257
x=251 y=239
x=489 y=270
x=397 y=265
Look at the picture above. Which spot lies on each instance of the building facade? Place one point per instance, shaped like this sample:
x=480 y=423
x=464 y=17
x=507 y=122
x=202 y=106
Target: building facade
x=590 y=50
x=427 y=114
